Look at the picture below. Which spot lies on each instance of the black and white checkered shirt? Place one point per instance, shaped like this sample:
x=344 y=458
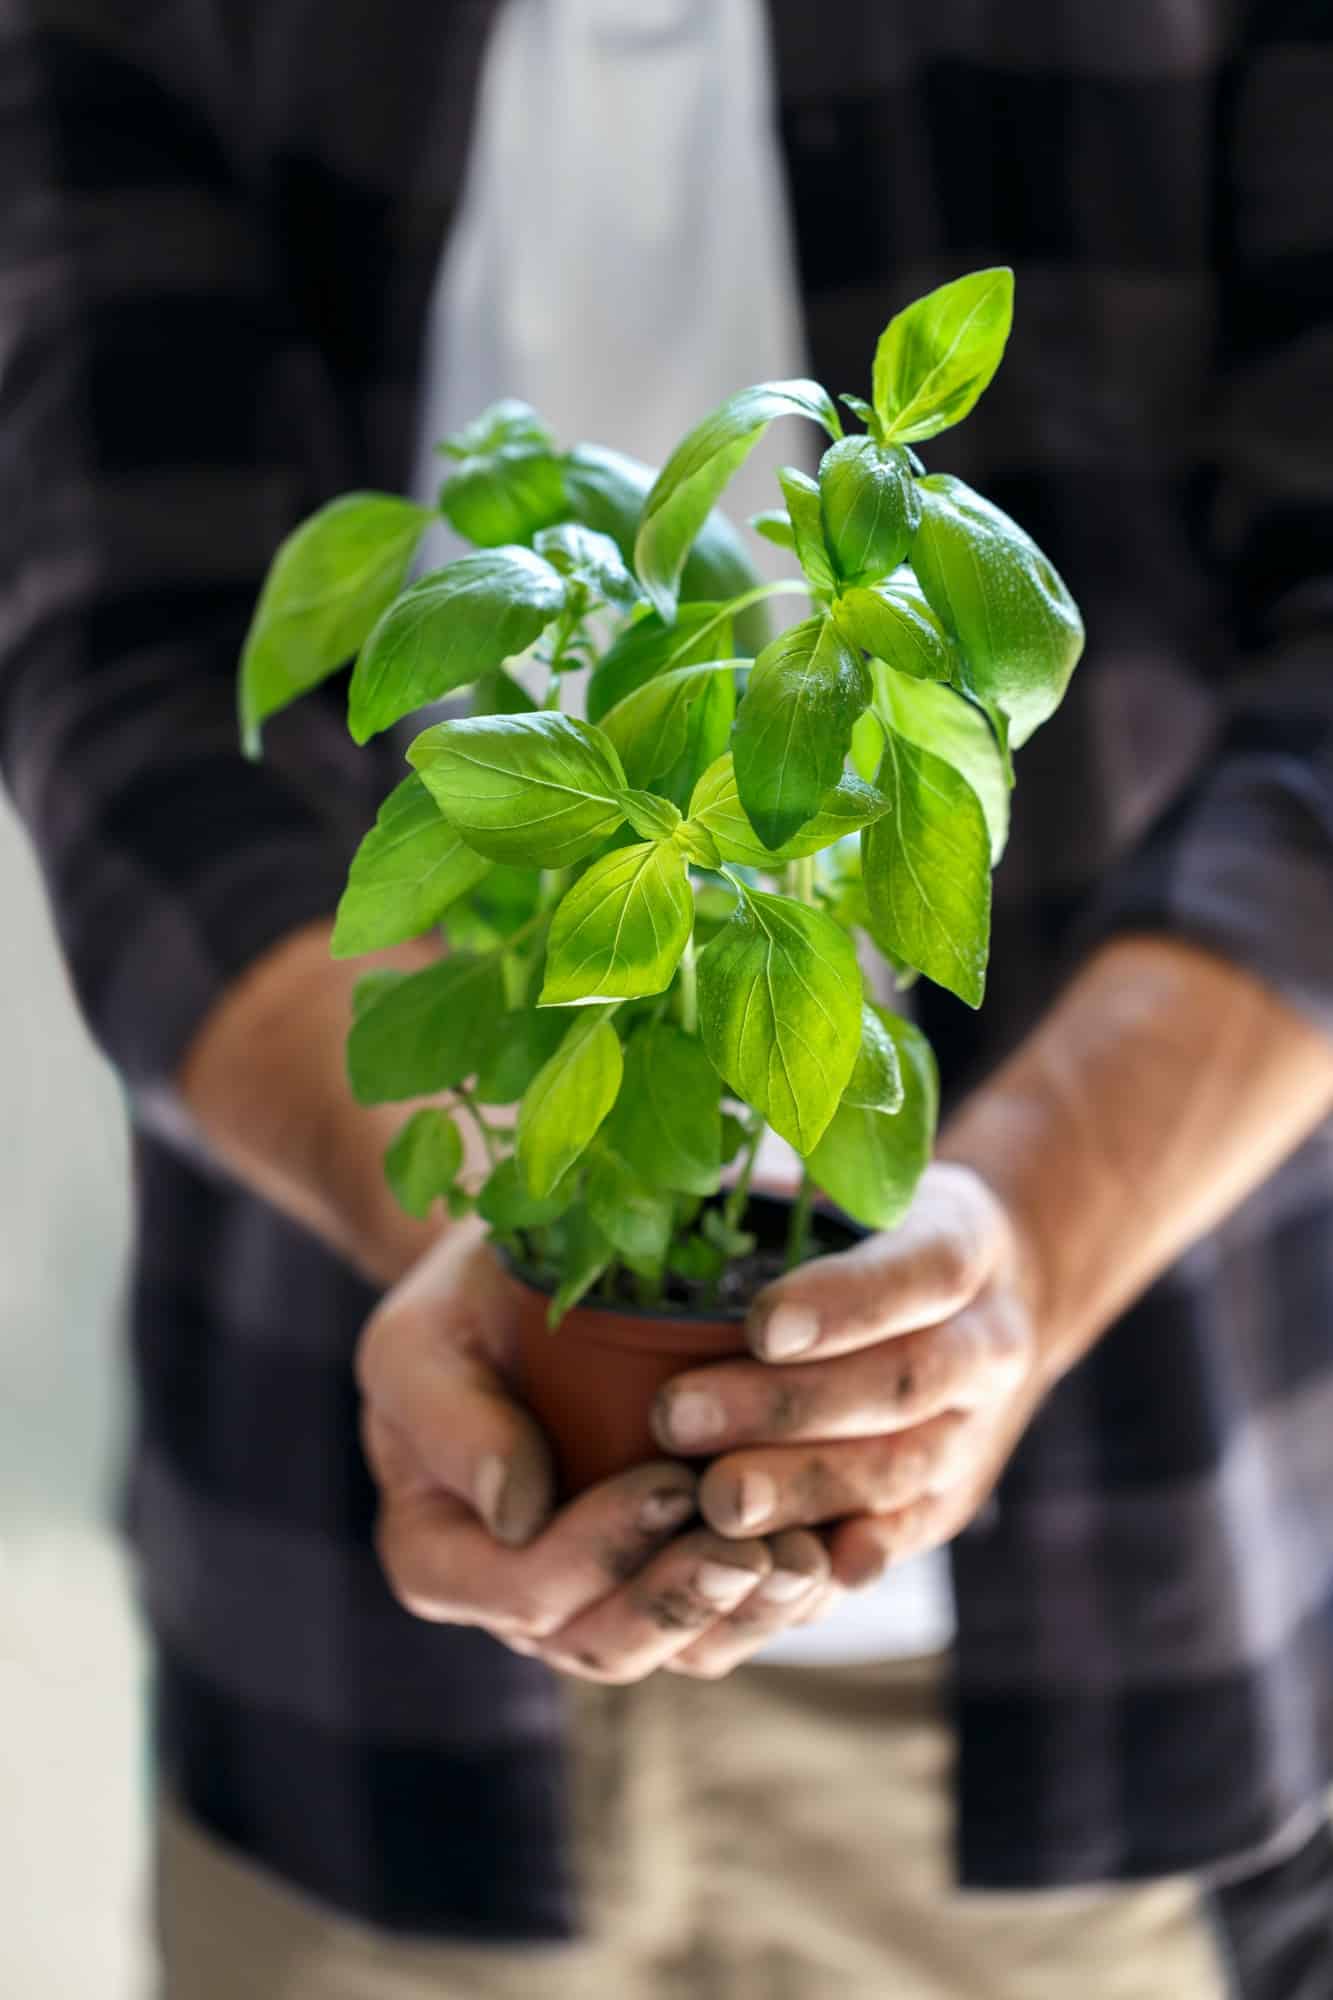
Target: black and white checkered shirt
x=219 y=224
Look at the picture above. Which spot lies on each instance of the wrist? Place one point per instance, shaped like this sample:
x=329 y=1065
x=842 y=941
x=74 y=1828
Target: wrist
x=1003 y=1134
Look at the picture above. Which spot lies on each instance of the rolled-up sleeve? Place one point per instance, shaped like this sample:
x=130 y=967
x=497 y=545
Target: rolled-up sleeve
x=147 y=468
x=1244 y=861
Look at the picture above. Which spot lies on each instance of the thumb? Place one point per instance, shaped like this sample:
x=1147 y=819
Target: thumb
x=929 y=1267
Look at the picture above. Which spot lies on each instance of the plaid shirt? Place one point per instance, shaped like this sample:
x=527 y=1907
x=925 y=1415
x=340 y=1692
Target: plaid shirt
x=219 y=229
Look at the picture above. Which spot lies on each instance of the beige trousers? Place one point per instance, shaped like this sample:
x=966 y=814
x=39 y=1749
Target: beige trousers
x=783 y=1835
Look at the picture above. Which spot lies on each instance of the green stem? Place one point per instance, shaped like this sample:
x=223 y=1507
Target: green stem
x=489 y=1139
x=524 y=931
x=786 y=587
x=798 y=1229
x=801 y=879
x=689 y=988
x=733 y=1209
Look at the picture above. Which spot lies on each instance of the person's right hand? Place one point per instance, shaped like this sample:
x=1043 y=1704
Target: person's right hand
x=607 y=1587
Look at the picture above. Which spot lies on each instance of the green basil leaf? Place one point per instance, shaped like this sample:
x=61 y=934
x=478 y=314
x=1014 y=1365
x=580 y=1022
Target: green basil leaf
x=540 y=790
x=651 y=818
x=990 y=585
x=807 y=525
x=869 y=506
x=636 y=1219
x=944 y=722
x=775 y=525
x=591 y=560
x=407 y=871
x=698 y=470
x=692 y=1258
x=669 y=731
x=426 y=1032
x=780 y=1012
x=667 y=1121
x=500 y=425
x=619 y=932
x=876 y=1082
x=794 y=726
x=926 y=867
x=507 y=1206
x=587 y=1254
x=498 y=693
x=716 y=806
x=329 y=582
x=702 y=632
x=870 y=1162
x=607 y=491
x=528 y=1037
x=502 y=902
x=423 y=1161
x=505 y=495
x=860 y=408
x=867 y=746
x=372 y=986
x=936 y=357
x=567 y=1101
x=893 y=621
x=449 y=629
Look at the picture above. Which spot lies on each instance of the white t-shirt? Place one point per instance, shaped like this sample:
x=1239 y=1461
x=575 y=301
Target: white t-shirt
x=622 y=260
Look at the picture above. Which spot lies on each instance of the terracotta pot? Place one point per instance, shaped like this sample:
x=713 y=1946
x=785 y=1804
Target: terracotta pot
x=592 y=1381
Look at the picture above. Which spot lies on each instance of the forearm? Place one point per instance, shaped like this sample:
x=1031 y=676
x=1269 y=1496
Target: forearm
x=1163 y=1086
x=265 y=1084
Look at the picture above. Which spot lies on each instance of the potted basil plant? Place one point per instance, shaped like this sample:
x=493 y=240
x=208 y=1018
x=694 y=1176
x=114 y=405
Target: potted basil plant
x=661 y=874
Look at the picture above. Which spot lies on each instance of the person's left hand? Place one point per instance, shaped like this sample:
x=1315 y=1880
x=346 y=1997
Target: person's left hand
x=893 y=1381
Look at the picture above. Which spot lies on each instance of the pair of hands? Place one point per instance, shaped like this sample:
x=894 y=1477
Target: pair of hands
x=889 y=1386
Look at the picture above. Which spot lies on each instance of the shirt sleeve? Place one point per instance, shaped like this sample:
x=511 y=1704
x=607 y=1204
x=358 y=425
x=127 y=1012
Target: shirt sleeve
x=1244 y=861
x=151 y=386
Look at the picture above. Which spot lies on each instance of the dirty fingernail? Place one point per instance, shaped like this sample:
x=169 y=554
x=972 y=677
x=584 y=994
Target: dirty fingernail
x=723 y=1584
x=787 y=1331
x=666 y=1509
x=694 y=1417
x=784 y=1586
x=510 y=1501
x=756 y=1497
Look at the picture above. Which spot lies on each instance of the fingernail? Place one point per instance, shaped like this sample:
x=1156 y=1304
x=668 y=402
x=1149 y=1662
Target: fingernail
x=694 y=1417
x=788 y=1330
x=785 y=1585
x=666 y=1509
x=869 y=1570
x=755 y=1498
x=722 y=1583
x=490 y=1488
x=510 y=1504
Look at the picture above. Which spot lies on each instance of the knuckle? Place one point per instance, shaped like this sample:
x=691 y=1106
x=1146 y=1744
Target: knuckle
x=954 y=1264
x=790 y=1406
x=675 y=1608
x=534 y=1617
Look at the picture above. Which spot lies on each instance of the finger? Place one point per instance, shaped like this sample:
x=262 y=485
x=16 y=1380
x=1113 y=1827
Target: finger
x=783 y=1486
x=429 y=1364
x=861 y=1549
x=932 y=1265
x=459 y=1432
x=679 y=1595
x=980 y=1354
x=444 y=1565
x=800 y=1574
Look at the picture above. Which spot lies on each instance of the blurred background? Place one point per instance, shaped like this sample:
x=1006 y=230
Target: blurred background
x=73 y=1850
